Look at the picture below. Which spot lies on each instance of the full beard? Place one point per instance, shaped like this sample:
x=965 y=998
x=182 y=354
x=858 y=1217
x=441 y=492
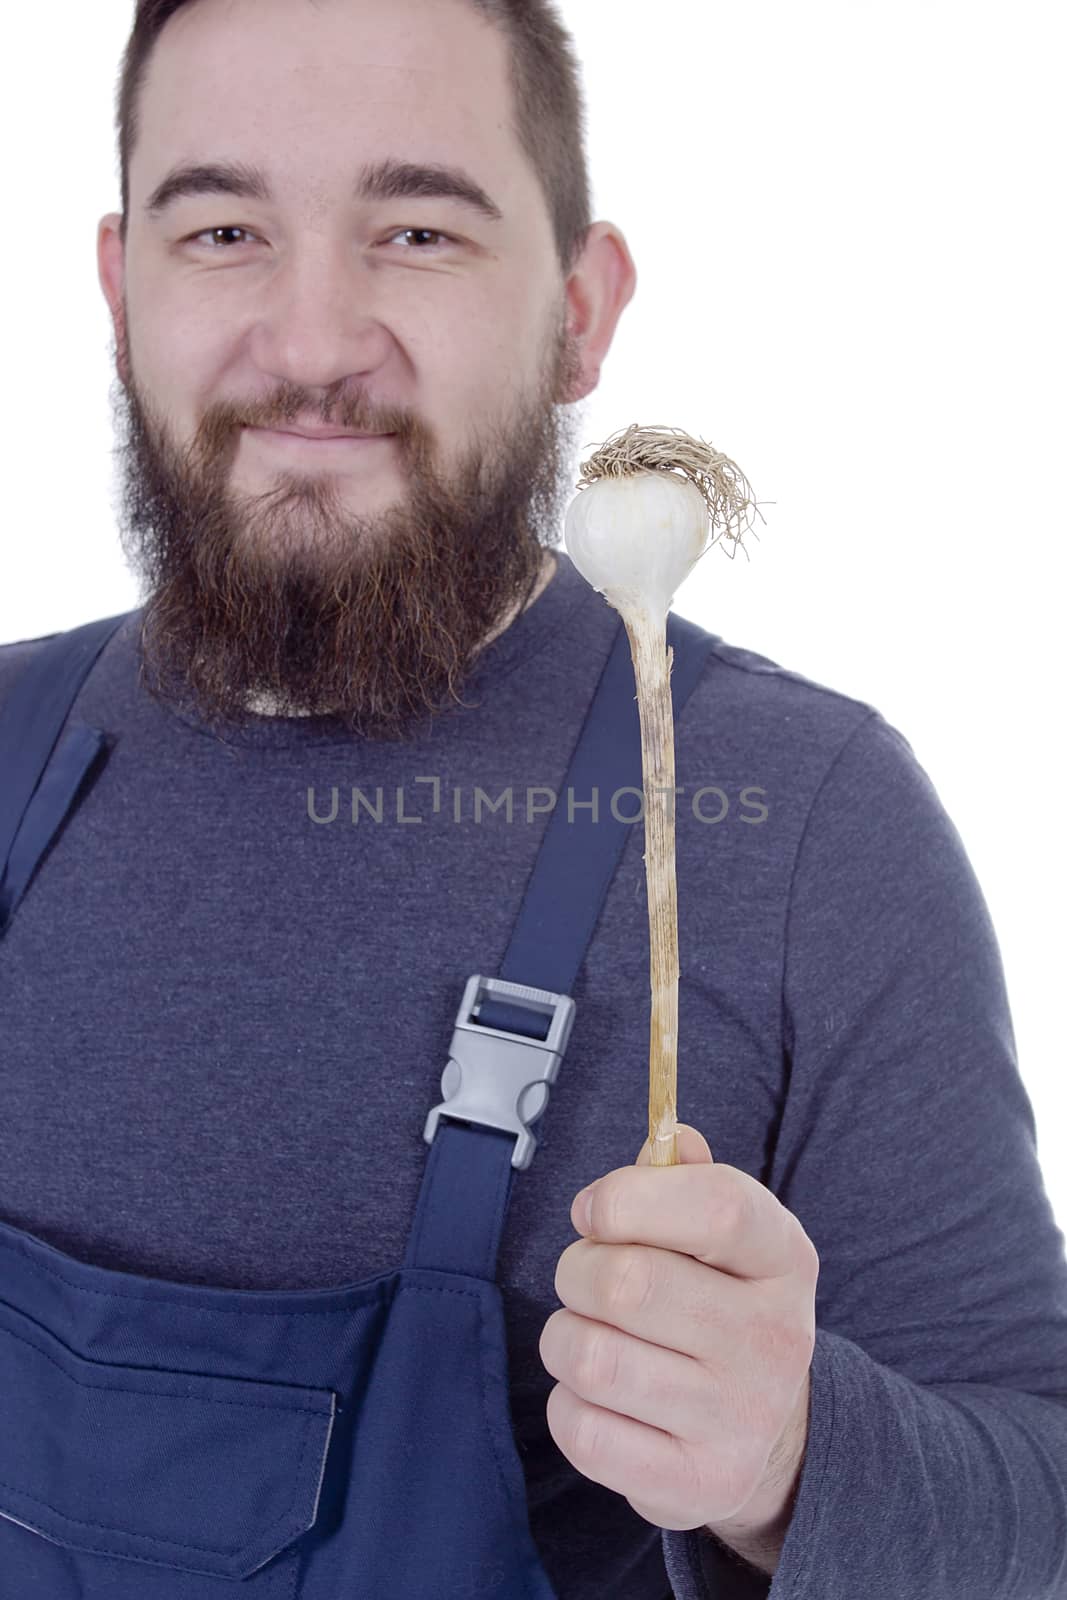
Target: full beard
x=289 y=599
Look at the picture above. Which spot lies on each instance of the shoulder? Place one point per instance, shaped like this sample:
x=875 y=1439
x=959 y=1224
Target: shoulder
x=83 y=642
x=747 y=702
x=15 y=657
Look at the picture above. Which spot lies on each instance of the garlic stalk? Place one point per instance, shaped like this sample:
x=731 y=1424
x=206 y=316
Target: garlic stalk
x=635 y=531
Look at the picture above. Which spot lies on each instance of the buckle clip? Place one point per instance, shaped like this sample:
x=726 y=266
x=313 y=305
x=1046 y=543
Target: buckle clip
x=499 y=1079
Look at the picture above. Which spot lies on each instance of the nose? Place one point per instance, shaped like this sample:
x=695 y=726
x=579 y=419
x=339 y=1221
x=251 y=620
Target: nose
x=317 y=320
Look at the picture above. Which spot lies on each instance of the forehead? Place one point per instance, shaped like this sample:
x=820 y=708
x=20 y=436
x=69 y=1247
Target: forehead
x=317 y=88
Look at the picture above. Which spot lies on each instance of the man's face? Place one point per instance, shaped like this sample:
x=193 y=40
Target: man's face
x=353 y=577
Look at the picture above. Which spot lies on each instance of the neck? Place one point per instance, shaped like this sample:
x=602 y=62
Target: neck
x=548 y=570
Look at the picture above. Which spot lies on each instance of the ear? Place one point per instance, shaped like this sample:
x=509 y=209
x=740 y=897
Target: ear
x=111 y=270
x=597 y=292
x=692 y=1147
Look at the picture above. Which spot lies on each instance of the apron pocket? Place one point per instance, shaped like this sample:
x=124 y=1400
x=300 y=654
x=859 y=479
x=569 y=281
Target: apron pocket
x=198 y=1474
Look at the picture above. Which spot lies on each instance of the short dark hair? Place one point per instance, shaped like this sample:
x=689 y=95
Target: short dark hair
x=550 y=113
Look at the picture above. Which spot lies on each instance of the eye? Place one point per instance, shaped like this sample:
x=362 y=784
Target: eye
x=209 y=233
x=425 y=231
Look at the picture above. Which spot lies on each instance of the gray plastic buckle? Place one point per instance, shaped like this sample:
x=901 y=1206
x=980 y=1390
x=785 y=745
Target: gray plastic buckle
x=499 y=1079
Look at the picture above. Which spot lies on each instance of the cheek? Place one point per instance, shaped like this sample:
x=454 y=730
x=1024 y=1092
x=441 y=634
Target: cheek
x=178 y=333
x=183 y=366
x=479 y=372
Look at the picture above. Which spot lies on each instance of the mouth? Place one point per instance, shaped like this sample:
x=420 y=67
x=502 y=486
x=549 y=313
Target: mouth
x=338 y=444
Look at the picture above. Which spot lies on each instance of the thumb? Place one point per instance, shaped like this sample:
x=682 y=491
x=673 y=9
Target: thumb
x=691 y=1145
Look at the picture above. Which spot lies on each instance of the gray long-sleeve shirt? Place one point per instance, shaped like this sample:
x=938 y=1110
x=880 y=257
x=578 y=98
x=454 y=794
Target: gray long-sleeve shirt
x=224 y=1022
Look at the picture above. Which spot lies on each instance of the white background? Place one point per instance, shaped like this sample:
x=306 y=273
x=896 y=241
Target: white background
x=846 y=220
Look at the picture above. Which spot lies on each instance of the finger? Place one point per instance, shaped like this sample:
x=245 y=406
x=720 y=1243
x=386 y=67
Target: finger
x=645 y=1382
x=629 y=1457
x=713 y=1212
x=658 y=1296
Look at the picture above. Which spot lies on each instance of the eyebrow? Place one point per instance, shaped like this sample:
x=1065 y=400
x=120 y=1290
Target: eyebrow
x=383 y=180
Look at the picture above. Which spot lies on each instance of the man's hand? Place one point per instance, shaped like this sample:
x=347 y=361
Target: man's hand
x=684 y=1350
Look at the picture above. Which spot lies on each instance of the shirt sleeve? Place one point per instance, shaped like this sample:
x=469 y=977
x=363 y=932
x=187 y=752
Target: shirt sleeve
x=936 y=1465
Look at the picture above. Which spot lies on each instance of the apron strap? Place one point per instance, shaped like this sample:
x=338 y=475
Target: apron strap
x=39 y=788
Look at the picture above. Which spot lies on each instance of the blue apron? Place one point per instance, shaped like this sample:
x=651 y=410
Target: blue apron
x=182 y=1442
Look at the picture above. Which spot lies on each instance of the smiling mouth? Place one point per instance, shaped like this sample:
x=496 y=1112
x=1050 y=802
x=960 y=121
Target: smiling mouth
x=335 y=443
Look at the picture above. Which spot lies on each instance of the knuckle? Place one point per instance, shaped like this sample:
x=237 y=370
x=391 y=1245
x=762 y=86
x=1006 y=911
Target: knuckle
x=585 y=1434
x=733 y=1208
x=628 y=1280
x=596 y=1367
x=803 y=1254
x=785 y=1343
x=810 y=1256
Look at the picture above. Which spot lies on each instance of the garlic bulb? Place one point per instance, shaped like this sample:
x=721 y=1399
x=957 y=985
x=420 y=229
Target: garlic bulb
x=635 y=531
x=640 y=520
x=635 y=539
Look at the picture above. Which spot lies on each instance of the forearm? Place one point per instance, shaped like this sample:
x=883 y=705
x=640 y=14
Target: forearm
x=952 y=1491
x=957 y=1493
